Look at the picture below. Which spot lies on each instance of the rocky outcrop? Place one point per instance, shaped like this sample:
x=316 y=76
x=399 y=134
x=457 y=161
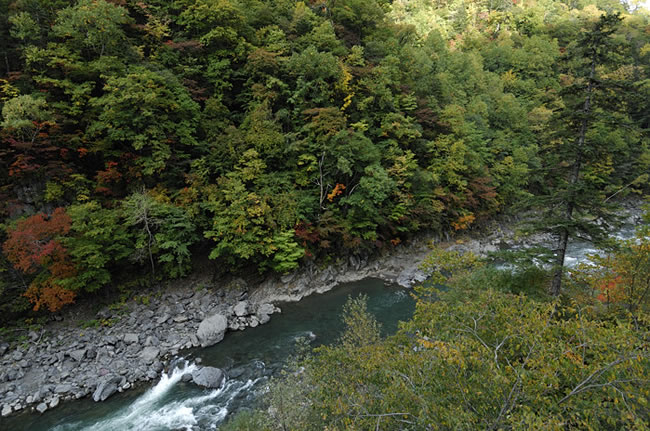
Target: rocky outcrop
x=245 y=314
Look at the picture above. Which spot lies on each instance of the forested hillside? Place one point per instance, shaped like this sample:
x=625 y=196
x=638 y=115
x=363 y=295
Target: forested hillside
x=138 y=135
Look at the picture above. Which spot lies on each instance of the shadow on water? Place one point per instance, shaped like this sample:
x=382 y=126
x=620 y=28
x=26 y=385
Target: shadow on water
x=249 y=357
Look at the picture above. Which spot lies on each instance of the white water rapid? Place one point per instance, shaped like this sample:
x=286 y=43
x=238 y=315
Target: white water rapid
x=157 y=410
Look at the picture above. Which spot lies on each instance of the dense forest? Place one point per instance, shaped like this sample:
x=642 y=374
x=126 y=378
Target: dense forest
x=140 y=135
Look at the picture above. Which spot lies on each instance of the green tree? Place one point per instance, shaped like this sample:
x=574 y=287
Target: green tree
x=26 y=116
x=94 y=26
x=164 y=236
x=580 y=154
x=252 y=217
x=98 y=244
x=148 y=112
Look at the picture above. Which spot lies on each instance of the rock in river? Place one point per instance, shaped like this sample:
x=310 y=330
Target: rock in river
x=212 y=329
x=208 y=377
x=6 y=410
x=41 y=408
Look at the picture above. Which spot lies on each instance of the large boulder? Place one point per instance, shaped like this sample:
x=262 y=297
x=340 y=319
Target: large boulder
x=106 y=388
x=208 y=377
x=212 y=329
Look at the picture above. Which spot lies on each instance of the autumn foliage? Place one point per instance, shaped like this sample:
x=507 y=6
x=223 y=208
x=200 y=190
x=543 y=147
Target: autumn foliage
x=611 y=290
x=338 y=190
x=622 y=278
x=34 y=247
x=51 y=297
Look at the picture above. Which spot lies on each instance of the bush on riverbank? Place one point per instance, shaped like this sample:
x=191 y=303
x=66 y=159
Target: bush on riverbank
x=476 y=357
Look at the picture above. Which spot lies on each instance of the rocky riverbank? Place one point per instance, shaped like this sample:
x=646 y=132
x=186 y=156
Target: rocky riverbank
x=135 y=341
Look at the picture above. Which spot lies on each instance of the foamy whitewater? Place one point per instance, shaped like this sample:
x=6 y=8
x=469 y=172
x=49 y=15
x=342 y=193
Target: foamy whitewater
x=155 y=411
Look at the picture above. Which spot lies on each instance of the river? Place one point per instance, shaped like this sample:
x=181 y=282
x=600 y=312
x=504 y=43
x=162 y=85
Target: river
x=249 y=358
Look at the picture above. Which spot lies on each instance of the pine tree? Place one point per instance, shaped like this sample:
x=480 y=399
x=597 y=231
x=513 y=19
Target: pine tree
x=583 y=157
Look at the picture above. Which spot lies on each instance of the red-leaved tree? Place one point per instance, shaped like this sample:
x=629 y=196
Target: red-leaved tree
x=34 y=247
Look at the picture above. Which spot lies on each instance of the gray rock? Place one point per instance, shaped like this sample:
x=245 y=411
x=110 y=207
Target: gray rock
x=162 y=319
x=62 y=389
x=78 y=355
x=17 y=356
x=106 y=389
x=181 y=318
x=263 y=318
x=187 y=377
x=208 y=377
x=265 y=309
x=3 y=348
x=241 y=309
x=149 y=354
x=131 y=338
x=41 y=408
x=212 y=329
x=105 y=313
x=55 y=402
x=6 y=410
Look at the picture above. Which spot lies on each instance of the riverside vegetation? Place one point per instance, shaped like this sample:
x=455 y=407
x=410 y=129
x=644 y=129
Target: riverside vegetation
x=491 y=351
x=140 y=135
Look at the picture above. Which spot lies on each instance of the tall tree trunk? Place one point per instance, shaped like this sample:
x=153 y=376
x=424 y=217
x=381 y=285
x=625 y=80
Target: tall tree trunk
x=574 y=176
x=149 y=246
x=556 y=284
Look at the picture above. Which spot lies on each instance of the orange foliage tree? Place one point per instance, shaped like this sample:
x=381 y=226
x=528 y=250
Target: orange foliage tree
x=621 y=279
x=34 y=247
